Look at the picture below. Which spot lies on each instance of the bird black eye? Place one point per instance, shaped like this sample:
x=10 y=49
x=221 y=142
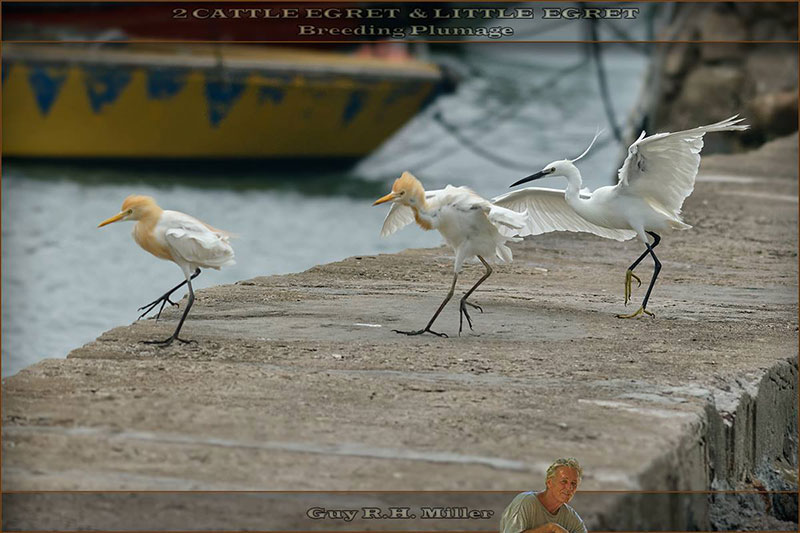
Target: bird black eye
x=553 y=169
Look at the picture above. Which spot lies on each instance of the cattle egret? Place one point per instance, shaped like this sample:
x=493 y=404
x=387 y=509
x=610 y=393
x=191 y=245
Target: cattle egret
x=471 y=225
x=176 y=237
x=657 y=176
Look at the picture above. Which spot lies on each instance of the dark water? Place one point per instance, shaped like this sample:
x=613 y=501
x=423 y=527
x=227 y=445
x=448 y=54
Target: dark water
x=64 y=281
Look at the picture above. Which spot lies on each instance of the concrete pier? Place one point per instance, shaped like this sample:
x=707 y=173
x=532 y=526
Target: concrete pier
x=297 y=382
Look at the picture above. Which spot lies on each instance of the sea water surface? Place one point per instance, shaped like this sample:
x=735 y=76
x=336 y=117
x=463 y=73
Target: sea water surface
x=64 y=281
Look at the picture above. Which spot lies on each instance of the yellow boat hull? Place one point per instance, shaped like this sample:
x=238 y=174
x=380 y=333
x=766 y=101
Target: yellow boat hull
x=111 y=109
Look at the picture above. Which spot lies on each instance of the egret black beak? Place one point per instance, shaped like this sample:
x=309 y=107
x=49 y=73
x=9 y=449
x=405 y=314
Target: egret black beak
x=532 y=177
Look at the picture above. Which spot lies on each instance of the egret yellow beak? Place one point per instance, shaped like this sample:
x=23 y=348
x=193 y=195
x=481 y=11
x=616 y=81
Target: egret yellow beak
x=115 y=218
x=388 y=198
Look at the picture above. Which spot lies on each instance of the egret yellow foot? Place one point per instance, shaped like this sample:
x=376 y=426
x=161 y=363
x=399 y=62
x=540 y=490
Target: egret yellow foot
x=637 y=313
x=628 y=275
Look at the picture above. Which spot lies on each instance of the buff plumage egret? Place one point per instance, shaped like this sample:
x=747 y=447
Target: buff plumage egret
x=657 y=176
x=177 y=237
x=471 y=225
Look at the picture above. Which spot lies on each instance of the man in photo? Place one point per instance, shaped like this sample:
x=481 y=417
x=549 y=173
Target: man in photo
x=547 y=511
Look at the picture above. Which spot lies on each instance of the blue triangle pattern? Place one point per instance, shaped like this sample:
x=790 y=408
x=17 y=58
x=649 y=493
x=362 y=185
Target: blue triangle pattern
x=163 y=84
x=221 y=97
x=46 y=83
x=105 y=84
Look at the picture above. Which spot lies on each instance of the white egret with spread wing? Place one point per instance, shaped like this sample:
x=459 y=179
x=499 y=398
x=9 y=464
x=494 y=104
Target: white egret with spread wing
x=177 y=237
x=657 y=176
x=471 y=225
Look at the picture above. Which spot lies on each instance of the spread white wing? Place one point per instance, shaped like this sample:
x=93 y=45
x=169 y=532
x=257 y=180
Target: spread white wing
x=662 y=168
x=548 y=211
x=459 y=198
x=194 y=242
x=398 y=217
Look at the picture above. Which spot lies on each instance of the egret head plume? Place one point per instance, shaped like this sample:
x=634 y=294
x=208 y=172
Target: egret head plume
x=596 y=135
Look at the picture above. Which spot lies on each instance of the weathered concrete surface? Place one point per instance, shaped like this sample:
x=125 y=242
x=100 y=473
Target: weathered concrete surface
x=297 y=382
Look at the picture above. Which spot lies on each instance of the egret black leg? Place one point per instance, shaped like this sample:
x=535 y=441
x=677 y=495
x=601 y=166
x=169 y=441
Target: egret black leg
x=435 y=315
x=464 y=303
x=174 y=336
x=164 y=299
x=656 y=270
x=656 y=240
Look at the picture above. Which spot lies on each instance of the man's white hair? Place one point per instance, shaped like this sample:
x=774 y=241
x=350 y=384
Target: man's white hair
x=570 y=462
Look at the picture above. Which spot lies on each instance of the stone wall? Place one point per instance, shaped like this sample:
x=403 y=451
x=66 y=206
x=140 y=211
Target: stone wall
x=693 y=83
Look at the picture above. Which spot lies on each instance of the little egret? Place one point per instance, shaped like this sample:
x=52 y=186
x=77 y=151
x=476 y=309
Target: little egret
x=176 y=237
x=471 y=225
x=657 y=176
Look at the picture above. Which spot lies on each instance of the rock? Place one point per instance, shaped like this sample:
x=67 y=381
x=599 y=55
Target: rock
x=719 y=26
x=710 y=93
x=722 y=26
x=774 y=113
x=678 y=59
x=772 y=68
x=704 y=82
x=765 y=30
